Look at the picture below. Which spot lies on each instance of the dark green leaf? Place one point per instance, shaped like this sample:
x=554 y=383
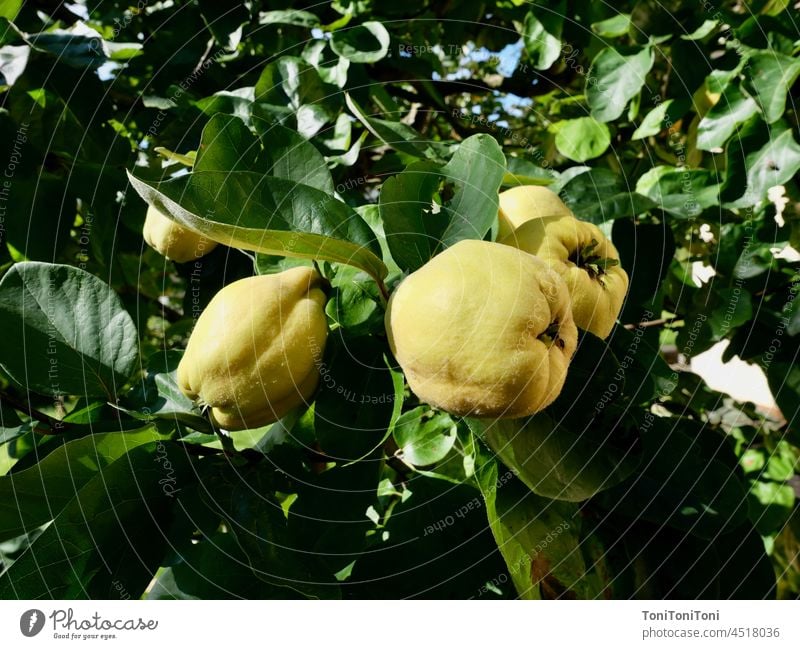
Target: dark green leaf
x=158 y=395
x=36 y=495
x=538 y=538
x=111 y=532
x=684 y=193
x=397 y=135
x=559 y=463
x=413 y=229
x=357 y=401
x=266 y=214
x=599 y=195
x=365 y=43
x=287 y=154
x=65 y=331
x=226 y=145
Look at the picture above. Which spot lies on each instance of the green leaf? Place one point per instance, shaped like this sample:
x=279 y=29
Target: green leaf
x=771 y=505
x=266 y=214
x=397 y=135
x=613 y=27
x=413 y=229
x=582 y=139
x=556 y=462
x=357 y=401
x=599 y=195
x=10 y=8
x=522 y=172
x=66 y=331
x=538 y=538
x=704 y=30
x=771 y=75
x=682 y=192
x=719 y=123
x=157 y=395
x=259 y=526
x=424 y=437
x=226 y=145
x=614 y=79
x=653 y=122
x=111 y=532
x=355 y=302
x=476 y=170
x=541 y=35
x=296 y=17
x=291 y=81
x=34 y=496
x=728 y=308
x=287 y=154
x=417 y=226
x=79 y=50
x=365 y=43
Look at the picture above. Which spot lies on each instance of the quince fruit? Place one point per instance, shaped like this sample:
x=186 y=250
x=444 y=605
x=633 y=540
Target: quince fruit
x=526 y=202
x=588 y=262
x=483 y=329
x=256 y=350
x=172 y=240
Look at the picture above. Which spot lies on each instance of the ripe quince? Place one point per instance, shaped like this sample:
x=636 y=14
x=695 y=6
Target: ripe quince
x=588 y=262
x=172 y=240
x=483 y=329
x=526 y=202
x=256 y=351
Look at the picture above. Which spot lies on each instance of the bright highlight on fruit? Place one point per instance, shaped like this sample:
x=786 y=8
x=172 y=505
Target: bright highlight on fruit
x=256 y=350
x=172 y=240
x=526 y=202
x=483 y=330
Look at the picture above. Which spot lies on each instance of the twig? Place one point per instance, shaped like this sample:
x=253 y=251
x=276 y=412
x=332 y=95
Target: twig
x=651 y=323
x=56 y=426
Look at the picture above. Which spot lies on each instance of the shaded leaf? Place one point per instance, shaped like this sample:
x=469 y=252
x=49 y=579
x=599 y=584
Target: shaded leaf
x=66 y=331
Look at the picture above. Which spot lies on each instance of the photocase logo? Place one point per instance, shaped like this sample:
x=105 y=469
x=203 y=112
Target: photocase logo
x=31 y=622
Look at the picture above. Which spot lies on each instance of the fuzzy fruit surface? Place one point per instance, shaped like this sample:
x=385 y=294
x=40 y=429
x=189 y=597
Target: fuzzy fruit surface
x=526 y=202
x=588 y=262
x=255 y=352
x=172 y=240
x=484 y=330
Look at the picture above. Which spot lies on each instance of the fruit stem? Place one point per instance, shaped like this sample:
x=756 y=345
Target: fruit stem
x=384 y=291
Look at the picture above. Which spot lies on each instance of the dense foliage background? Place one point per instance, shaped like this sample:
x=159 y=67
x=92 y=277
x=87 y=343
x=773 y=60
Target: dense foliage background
x=671 y=124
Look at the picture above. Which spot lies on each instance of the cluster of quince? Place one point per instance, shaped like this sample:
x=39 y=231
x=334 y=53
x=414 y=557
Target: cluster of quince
x=483 y=329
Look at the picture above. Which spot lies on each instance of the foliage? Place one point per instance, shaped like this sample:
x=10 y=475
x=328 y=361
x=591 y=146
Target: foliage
x=368 y=136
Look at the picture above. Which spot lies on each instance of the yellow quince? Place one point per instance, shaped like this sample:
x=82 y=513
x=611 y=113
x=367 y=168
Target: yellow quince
x=172 y=240
x=483 y=329
x=588 y=262
x=526 y=202
x=256 y=350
